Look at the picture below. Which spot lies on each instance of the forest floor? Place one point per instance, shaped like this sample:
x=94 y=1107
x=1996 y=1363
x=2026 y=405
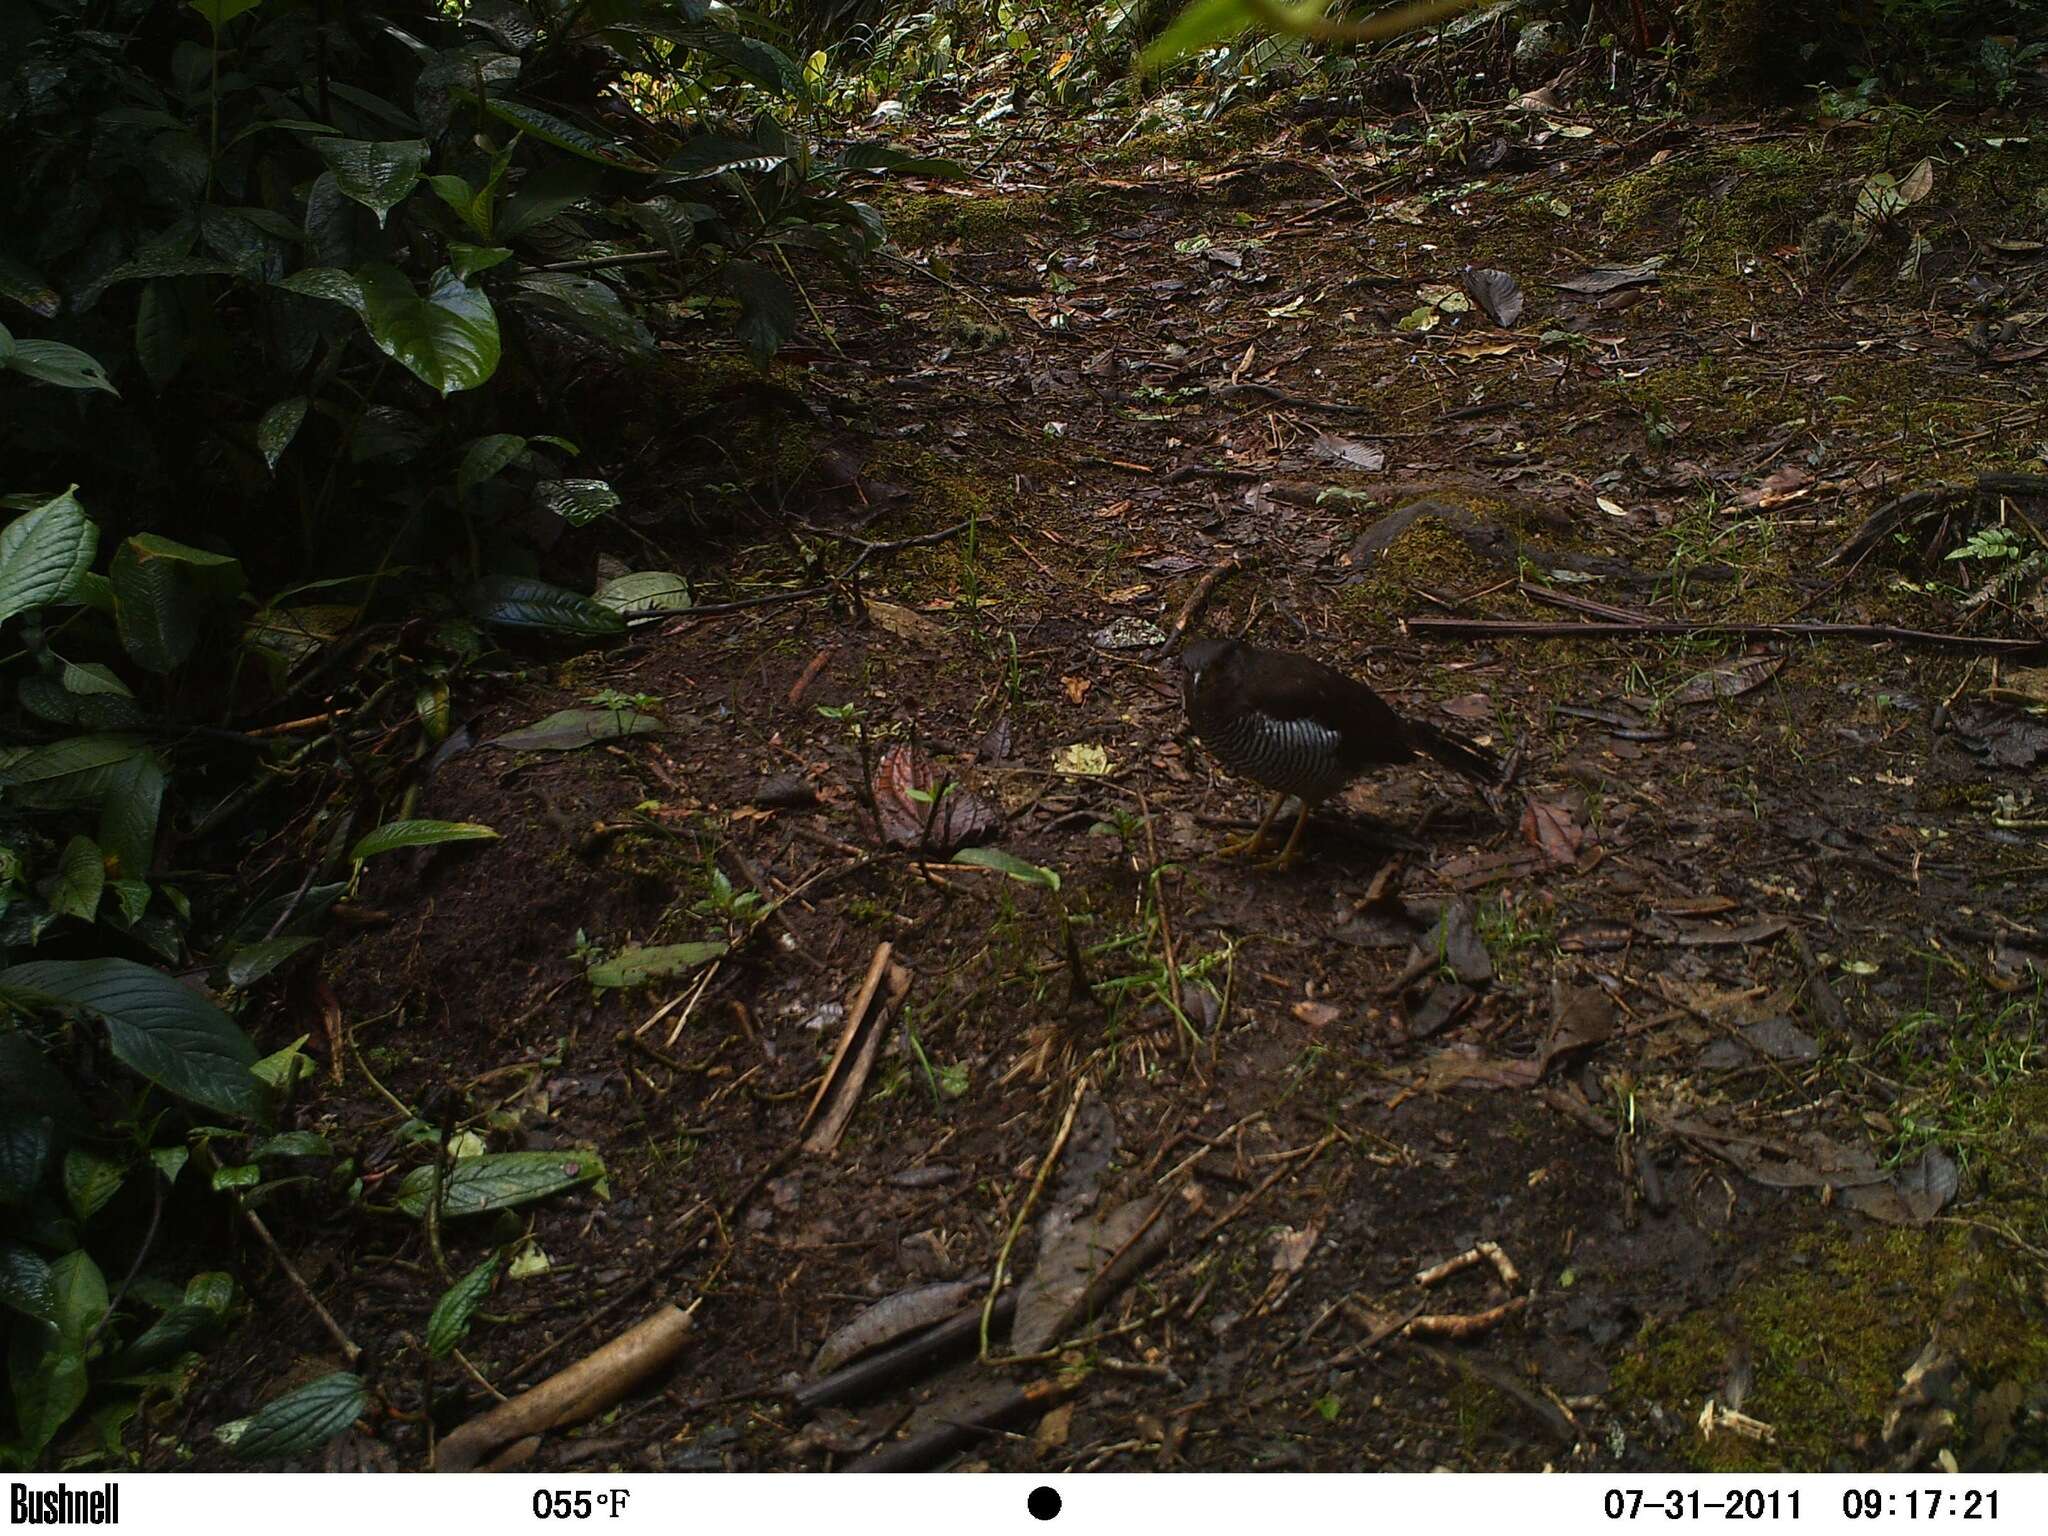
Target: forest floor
x=1721 y=1026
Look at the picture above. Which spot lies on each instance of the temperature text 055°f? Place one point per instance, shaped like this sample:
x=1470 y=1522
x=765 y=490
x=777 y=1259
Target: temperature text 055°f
x=562 y=1504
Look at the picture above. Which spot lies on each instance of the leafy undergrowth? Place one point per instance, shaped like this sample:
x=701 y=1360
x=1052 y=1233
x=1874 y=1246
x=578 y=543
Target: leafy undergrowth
x=1723 y=1025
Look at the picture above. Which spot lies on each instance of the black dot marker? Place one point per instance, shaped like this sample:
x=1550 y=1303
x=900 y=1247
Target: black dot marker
x=1044 y=1503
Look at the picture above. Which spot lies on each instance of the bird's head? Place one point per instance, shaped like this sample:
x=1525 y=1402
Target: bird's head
x=1200 y=657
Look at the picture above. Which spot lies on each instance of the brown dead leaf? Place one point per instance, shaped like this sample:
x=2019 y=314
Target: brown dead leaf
x=1728 y=680
x=1548 y=825
x=904 y=623
x=1789 y=483
x=1317 y=1015
x=1077 y=688
x=1580 y=1017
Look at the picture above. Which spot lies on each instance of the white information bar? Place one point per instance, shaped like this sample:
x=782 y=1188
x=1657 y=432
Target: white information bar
x=822 y=1504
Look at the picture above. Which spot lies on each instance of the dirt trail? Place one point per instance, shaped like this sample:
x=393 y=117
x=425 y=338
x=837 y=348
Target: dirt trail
x=1723 y=1025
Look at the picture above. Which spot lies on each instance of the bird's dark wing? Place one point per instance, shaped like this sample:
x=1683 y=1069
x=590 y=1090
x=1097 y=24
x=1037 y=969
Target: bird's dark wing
x=1292 y=687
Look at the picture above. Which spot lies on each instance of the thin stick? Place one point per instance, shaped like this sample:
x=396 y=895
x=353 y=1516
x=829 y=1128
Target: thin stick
x=1052 y=1157
x=1505 y=628
x=1199 y=598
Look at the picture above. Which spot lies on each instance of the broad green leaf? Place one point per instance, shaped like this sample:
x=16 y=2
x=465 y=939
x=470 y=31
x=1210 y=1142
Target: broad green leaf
x=131 y=898
x=448 y=340
x=70 y=758
x=156 y=1025
x=280 y=424
x=44 y=553
x=330 y=283
x=568 y=729
x=181 y=1328
x=576 y=502
x=638 y=965
x=394 y=835
x=81 y=1294
x=496 y=1180
x=26 y=1285
x=563 y=134
x=250 y=963
x=81 y=879
x=235 y=1176
x=159 y=587
x=156 y=611
x=1009 y=864
x=378 y=174
x=129 y=814
x=46 y=1365
x=521 y=602
x=282 y=1070
x=468 y=260
x=88 y=679
x=449 y=1324
x=470 y=204
x=487 y=458
x=90 y=1181
x=712 y=155
x=53 y=362
x=767 y=308
x=300 y=1421
x=592 y=307
x=646 y=592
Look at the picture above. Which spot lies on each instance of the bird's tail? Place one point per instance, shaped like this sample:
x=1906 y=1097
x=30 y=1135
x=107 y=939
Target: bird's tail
x=1455 y=752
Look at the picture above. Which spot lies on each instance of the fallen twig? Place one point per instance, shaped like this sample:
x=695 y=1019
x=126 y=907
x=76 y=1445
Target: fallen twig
x=1487 y=1252
x=848 y=1072
x=576 y=1392
x=1197 y=601
x=1052 y=1157
x=1463 y=1325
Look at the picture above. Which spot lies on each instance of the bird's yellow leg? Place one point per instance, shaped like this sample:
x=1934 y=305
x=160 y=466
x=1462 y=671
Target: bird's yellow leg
x=1246 y=846
x=1292 y=851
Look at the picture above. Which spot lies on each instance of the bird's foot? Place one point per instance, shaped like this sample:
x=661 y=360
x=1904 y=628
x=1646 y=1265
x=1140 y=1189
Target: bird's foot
x=1243 y=847
x=1281 y=862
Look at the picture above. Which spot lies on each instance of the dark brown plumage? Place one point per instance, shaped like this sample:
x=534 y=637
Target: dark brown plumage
x=1301 y=728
